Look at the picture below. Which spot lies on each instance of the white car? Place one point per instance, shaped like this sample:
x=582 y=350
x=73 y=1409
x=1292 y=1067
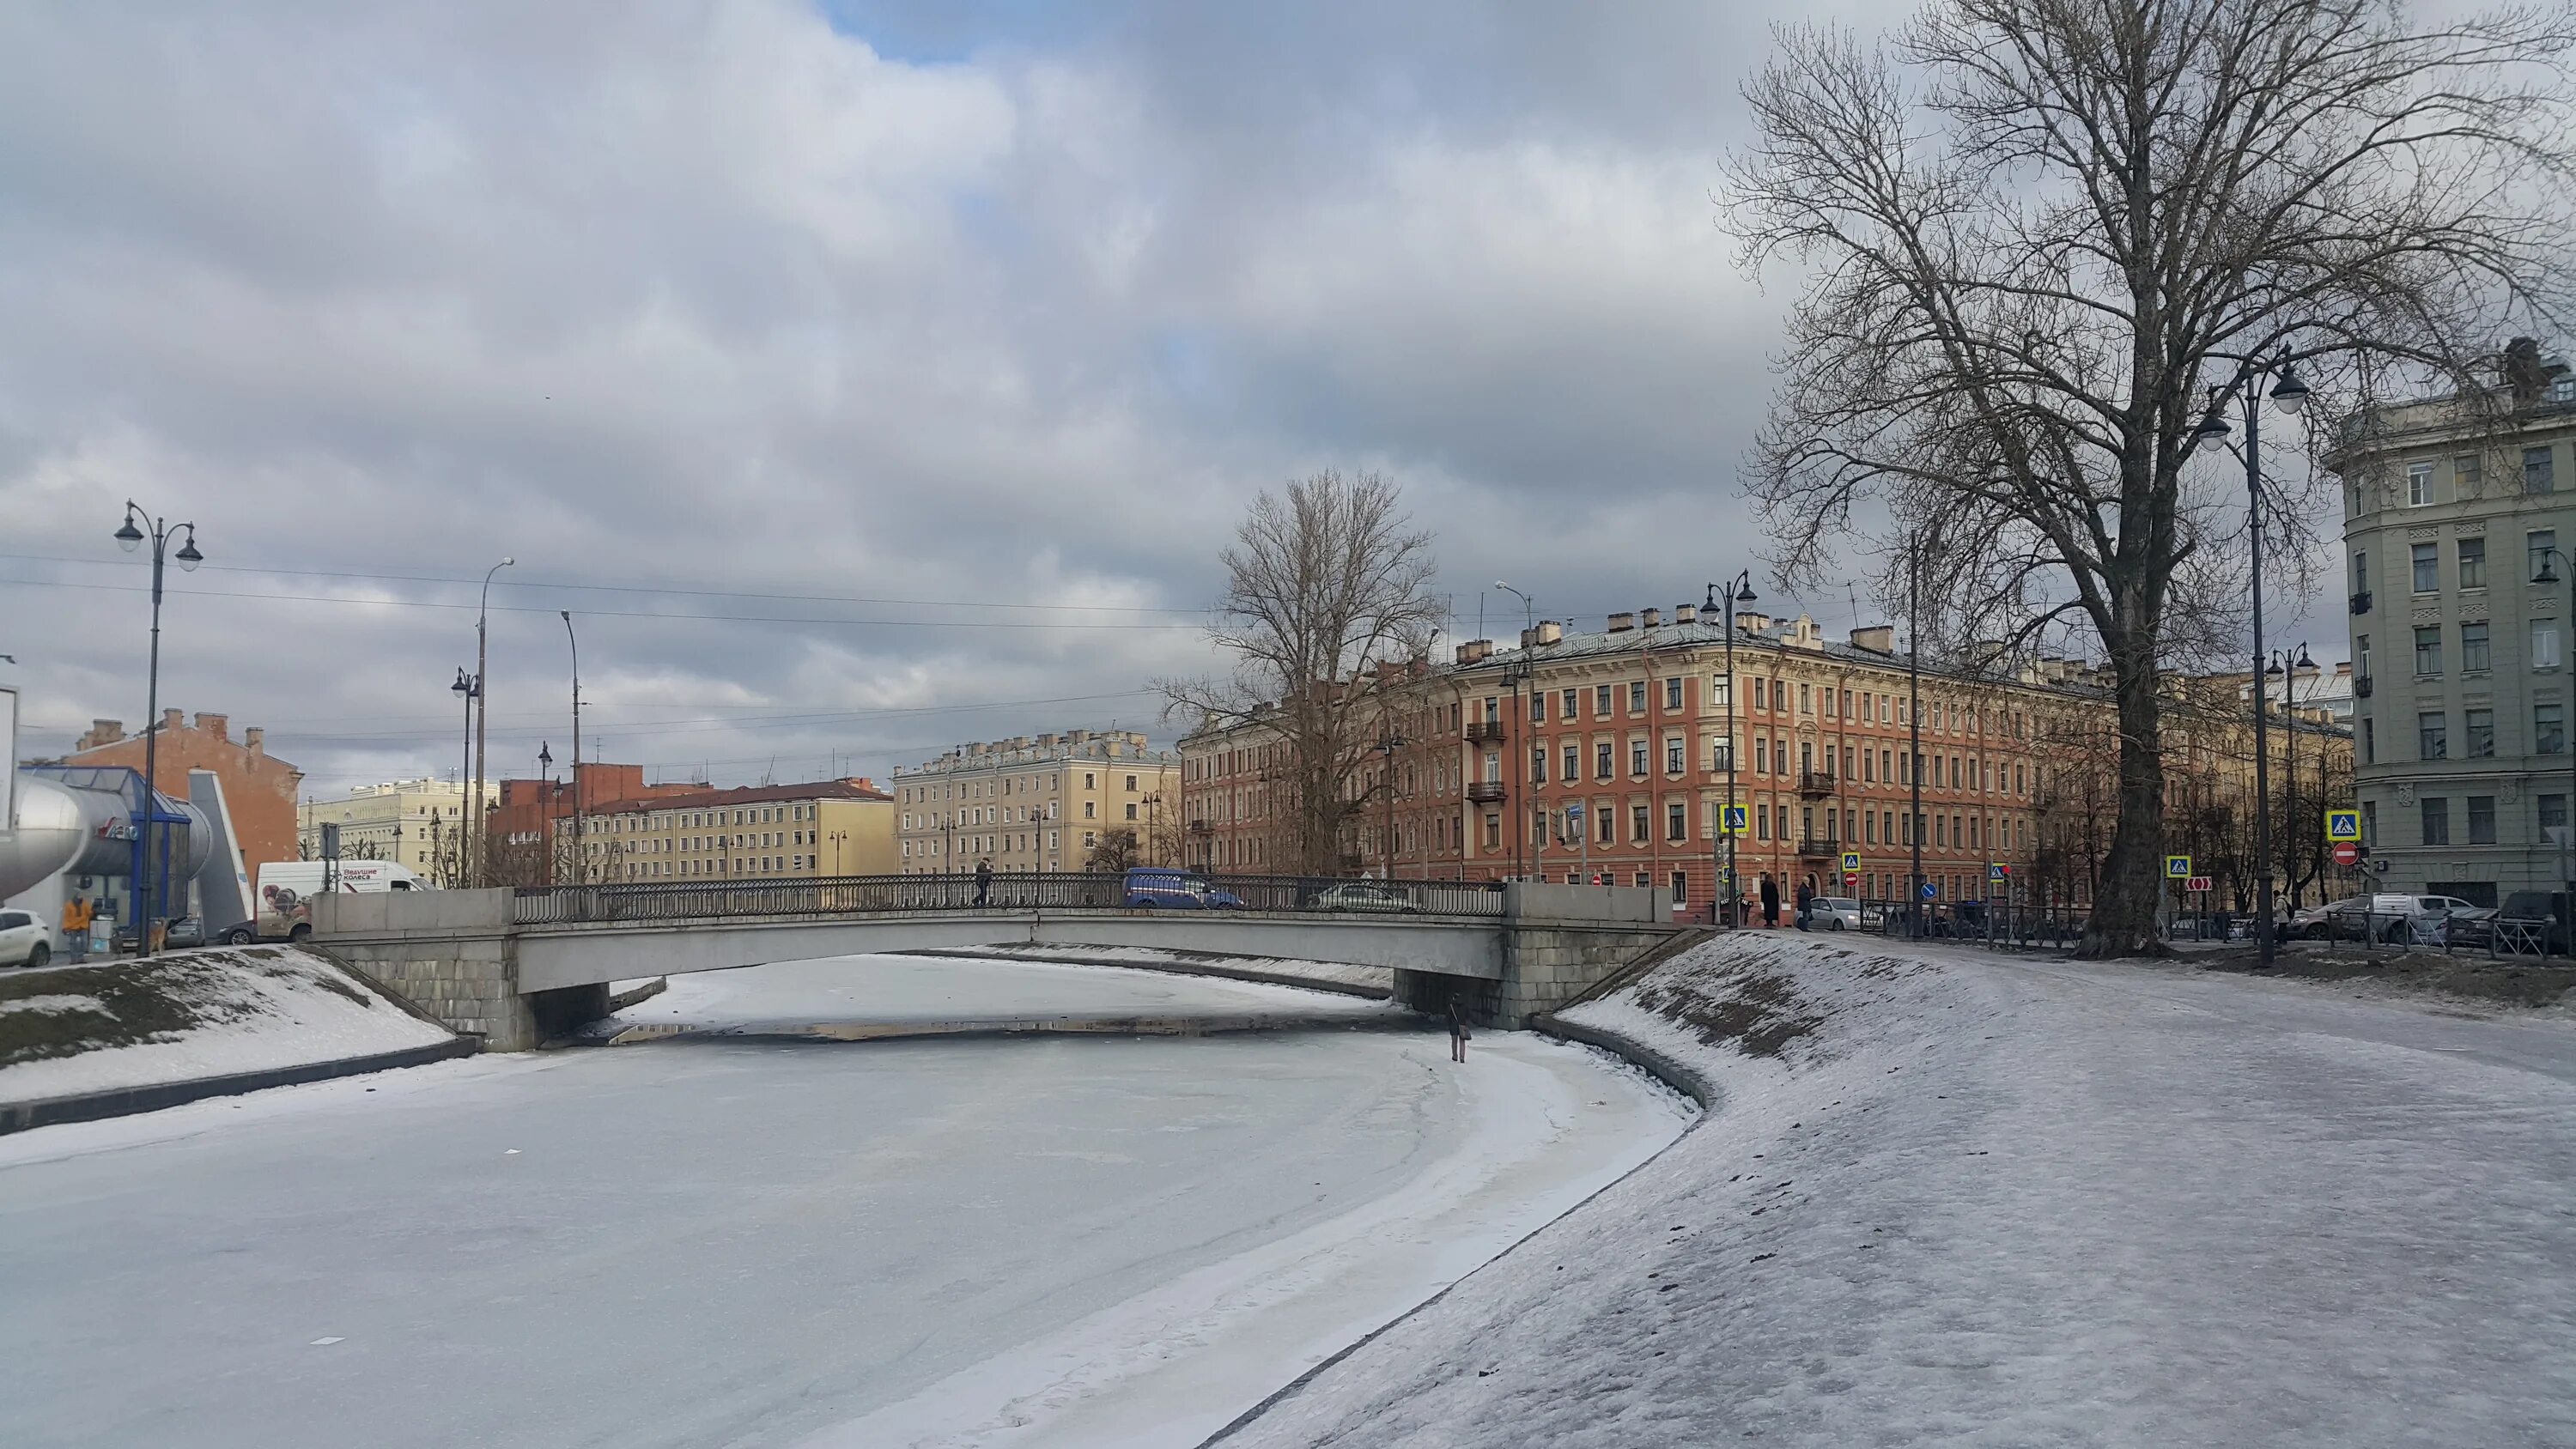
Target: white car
x=24 y=941
x=1833 y=913
x=1359 y=897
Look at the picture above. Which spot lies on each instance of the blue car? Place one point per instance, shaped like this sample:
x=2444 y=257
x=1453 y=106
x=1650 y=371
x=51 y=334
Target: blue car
x=1150 y=887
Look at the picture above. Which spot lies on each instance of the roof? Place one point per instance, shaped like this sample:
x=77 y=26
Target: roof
x=748 y=795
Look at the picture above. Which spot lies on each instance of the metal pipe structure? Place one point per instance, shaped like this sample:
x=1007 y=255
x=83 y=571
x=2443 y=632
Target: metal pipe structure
x=2290 y=394
x=580 y=862
x=1739 y=590
x=153 y=885
x=482 y=673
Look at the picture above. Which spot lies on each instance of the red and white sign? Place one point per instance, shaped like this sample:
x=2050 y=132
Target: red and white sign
x=2196 y=883
x=2347 y=854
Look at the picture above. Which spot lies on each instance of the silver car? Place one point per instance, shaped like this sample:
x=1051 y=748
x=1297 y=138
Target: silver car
x=1833 y=913
x=1358 y=896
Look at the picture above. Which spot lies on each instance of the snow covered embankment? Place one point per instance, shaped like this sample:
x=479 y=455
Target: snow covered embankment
x=1946 y=1197
x=190 y=1016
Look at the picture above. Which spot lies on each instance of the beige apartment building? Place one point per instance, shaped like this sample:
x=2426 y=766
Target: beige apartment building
x=1037 y=804
x=768 y=832
x=410 y=822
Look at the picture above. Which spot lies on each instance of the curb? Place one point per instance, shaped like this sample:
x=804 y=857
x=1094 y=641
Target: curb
x=1682 y=1079
x=1127 y=1026
x=1177 y=968
x=125 y=1101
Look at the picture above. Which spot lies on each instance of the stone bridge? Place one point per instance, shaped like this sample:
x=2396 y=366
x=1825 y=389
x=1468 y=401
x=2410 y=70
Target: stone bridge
x=520 y=966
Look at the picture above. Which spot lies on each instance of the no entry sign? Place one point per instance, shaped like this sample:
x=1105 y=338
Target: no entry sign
x=2347 y=854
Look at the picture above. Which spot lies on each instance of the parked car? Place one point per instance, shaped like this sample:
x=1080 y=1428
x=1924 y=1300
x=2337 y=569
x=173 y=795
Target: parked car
x=24 y=941
x=1361 y=896
x=177 y=932
x=2472 y=927
x=2387 y=916
x=1833 y=913
x=2532 y=918
x=1150 y=887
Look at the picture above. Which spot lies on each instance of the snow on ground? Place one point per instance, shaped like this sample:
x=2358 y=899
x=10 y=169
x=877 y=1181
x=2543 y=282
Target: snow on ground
x=1058 y=1241
x=190 y=1015
x=1953 y=1198
x=932 y=990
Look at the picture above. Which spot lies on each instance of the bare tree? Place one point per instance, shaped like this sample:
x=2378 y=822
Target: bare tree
x=1325 y=614
x=2040 y=231
x=1115 y=852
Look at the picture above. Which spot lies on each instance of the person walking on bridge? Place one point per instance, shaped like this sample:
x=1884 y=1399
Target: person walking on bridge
x=984 y=881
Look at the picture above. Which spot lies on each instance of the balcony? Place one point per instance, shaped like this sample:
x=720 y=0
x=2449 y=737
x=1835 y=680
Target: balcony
x=1814 y=848
x=1814 y=783
x=1485 y=792
x=2361 y=602
x=1201 y=825
x=2361 y=687
x=1484 y=731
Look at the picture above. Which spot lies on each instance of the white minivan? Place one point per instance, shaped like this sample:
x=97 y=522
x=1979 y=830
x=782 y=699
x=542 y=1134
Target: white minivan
x=285 y=891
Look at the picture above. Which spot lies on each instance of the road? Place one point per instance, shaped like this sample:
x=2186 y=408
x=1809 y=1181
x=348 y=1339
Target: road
x=1061 y=1240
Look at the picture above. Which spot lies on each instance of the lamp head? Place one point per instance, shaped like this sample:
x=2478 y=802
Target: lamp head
x=1745 y=595
x=505 y=563
x=462 y=685
x=2304 y=661
x=2548 y=571
x=2289 y=394
x=2213 y=424
x=188 y=556
x=128 y=536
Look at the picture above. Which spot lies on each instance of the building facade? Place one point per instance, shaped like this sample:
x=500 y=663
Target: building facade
x=1037 y=804
x=768 y=832
x=260 y=790
x=522 y=815
x=392 y=821
x=2458 y=515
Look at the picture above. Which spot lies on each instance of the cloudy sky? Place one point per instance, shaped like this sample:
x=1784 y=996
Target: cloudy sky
x=864 y=377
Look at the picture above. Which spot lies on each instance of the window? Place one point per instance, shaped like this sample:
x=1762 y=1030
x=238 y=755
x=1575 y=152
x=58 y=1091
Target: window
x=1537 y=707
x=2437 y=820
x=2466 y=472
x=1779 y=696
x=1538 y=765
x=1720 y=691
x=2553 y=816
x=1676 y=821
x=1090 y=781
x=2544 y=644
x=1601 y=701
x=2432 y=735
x=1636 y=696
x=2537 y=546
x=2370 y=822
x=1601 y=760
x=1719 y=756
x=1605 y=825
x=1761 y=754
x=2428 y=649
x=2548 y=728
x=2473 y=647
x=2419 y=484
x=2479 y=732
x=1573 y=763
x=2539 y=473
x=2361 y=656
x=1806 y=700
x=1571 y=705
x=1131 y=810
x=2482 y=820
x=1675 y=758
x=1090 y=809
x=2473 y=563
x=2428 y=568
x=1636 y=757
x=1673 y=693
x=1637 y=823
x=1493 y=832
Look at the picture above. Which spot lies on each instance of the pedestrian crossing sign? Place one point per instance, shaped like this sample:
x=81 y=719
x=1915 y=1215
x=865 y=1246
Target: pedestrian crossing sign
x=2178 y=867
x=1851 y=862
x=2342 y=825
x=1735 y=815
x=1998 y=872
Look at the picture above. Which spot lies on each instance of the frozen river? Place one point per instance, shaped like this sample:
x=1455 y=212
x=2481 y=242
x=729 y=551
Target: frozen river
x=1057 y=1240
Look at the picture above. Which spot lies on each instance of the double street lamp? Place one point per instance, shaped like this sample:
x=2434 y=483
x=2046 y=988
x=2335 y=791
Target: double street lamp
x=2546 y=575
x=1737 y=590
x=2282 y=664
x=469 y=688
x=1519 y=736
x=2289 y=395
x=152 y=878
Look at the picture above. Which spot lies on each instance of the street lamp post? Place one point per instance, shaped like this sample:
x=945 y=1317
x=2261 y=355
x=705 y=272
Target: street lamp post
x=152 y=880
x=2289 y=394
x=1153 y=826
x=2548 y=575
x=2283 y=664
x=482 y=663
x=468 y=688
x=580 y=863
x=1738 y=590
x=1914 y=728
x=1519 y=736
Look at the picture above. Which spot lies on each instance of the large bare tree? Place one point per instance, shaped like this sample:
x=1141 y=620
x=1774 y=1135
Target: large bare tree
x=1326 y=610
x=2035 y=234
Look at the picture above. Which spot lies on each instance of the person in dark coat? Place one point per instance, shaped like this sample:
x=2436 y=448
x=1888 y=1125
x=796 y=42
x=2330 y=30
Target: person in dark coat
x=1457 y=1027
x=1806 y=898
x=1770 y=901
x=984 y=882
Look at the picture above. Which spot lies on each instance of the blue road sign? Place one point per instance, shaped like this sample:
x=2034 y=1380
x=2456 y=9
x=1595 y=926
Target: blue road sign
x=1735 y=818
x=1930 y=890
x=1574 y=810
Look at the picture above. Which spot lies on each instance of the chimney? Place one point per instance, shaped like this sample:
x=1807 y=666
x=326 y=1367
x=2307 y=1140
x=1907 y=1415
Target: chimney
x=1475 y=651
x=1550 y=631
x=255 y=740
x=1877 y=638
x=1529 y=636
x=170 y=721
x=1752 y=623
x=1622 y=623
x=101 y=732
x=1685 y=613
x=1654 y=618
x=2525 y=377
x=218 y=725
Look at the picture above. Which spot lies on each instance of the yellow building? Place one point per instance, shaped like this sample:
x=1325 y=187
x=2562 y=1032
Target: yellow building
x=410 y=822
x=1037 y=804
x=823 y=828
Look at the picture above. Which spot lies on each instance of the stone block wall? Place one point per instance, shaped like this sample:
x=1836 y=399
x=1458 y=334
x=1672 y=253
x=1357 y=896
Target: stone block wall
x=1545 y=966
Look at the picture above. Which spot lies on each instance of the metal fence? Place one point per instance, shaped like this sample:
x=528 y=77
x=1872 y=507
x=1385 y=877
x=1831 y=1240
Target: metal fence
x=859 y=895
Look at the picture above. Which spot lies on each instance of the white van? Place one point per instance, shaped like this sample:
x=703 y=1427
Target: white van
x=286 y=888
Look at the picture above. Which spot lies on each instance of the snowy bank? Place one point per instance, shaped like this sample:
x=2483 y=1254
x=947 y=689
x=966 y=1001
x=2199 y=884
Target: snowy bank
x=1949 y=1197
x=190 y=1016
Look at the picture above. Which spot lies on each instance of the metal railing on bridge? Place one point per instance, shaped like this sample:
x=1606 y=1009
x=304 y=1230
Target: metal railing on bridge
x=859 y=895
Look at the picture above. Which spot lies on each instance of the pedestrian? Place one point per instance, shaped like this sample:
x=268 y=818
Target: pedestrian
x=76 y=924
x=984 y=881
x=1806 y=902
x=1457 y=1027
x=1770 y=902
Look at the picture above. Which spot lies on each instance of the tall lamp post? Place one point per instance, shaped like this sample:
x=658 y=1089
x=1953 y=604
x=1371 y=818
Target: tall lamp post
x=2550 y=556
x=1737 y=590
x=1385 y=748
x=469 y=688
x=482 y=662
x=546 y=773
x=2282 y=664
x=1520 y=676
x=580 y=862
x=2290 y=395
x=152 y=881
x=1153 y=826
x=1914 y=912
